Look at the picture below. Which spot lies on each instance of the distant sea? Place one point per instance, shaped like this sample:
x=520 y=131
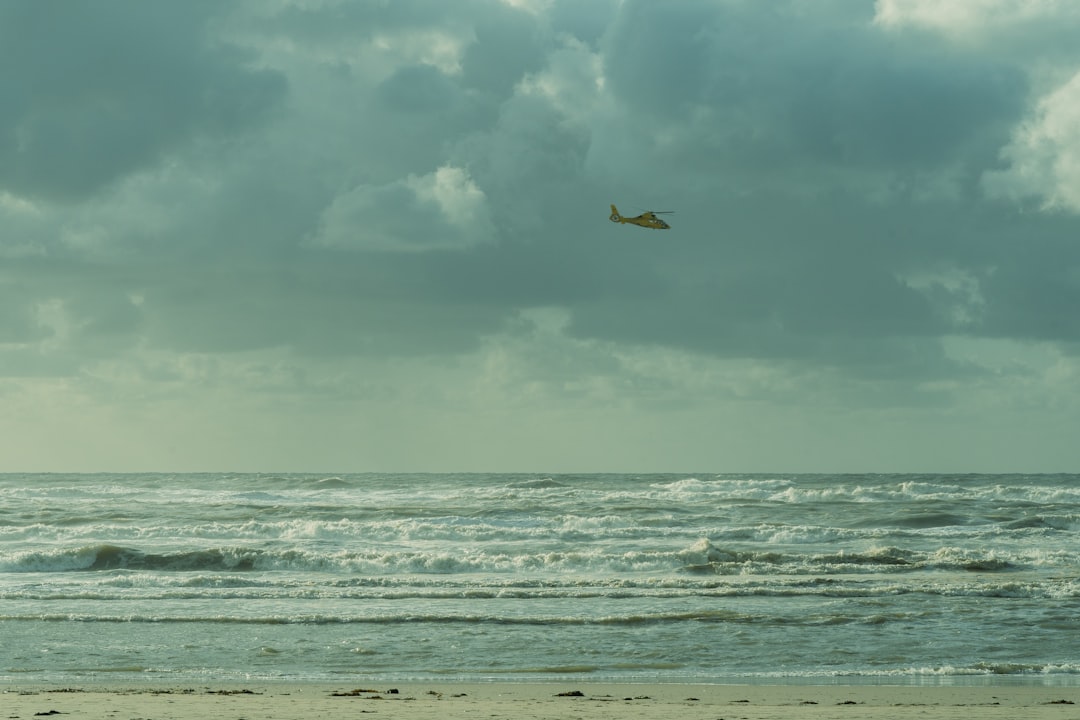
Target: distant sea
x=680 y=577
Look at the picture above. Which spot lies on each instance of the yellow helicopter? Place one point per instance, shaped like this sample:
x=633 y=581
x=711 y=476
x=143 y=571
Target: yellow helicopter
x=645 y=219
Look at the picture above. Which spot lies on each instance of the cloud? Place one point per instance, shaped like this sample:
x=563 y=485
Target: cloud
x=974 y=17
x=350 y=211
x=441 y=210
x=419 y=88
x=99 y=91
x=507 y=45
x=775 y=88
x=1044 y=155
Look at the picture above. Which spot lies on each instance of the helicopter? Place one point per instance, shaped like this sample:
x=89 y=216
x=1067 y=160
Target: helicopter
x=645 y=219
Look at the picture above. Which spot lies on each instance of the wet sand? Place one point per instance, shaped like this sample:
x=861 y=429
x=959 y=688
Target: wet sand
x=532 y=701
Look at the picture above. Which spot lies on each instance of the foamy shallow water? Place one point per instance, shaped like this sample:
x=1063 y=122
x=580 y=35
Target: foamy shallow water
x=659 y=577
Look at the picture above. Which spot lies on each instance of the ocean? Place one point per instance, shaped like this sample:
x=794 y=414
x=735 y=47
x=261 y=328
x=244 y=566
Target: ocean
x=483 y=577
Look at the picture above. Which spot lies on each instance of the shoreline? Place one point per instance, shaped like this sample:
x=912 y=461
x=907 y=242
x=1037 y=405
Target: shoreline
x=547 y=700
x=129 y=681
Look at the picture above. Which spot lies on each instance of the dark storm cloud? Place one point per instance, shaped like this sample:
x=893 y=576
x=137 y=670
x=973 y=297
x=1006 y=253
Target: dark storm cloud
x=840 y=160
x=778 y=278
x=57 y=316
x=315 y=306
x=1032 y=290
x=818 y=164
x=317 y=218
x=587 y=22
x=93 y=91
x=419 y=88
x=787 y=86
x=506 y=47
x=798 y=145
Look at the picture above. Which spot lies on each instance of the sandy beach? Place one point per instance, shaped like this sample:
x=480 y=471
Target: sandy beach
x=535 y=701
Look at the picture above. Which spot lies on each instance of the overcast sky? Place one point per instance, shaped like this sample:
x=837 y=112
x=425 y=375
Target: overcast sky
x=372 y=235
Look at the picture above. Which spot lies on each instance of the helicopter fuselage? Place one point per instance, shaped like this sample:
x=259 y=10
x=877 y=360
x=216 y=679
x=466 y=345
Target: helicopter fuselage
x=645 y=220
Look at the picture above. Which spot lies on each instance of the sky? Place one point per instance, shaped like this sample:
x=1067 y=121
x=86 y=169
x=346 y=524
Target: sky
x=372 y=235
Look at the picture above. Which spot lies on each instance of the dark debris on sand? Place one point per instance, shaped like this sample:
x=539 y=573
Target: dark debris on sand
x=366 y=693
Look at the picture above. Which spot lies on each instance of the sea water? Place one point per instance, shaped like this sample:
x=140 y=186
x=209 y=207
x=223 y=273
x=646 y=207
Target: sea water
x=699 y=578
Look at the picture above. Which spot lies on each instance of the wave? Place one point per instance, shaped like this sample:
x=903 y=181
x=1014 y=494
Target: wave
x=99 y=557
x=700 y=558
x=806 y=489
x=538 y=484
x=412 y=616
x=286 y=587
x=610 y=566
x=704 y=557
x=923 y=674
x=496 y=508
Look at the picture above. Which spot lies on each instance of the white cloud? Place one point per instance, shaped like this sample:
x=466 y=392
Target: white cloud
x=971 y=16
x=453 y=191
x=20 y=226
x=572 y=81
x=15 y=204
x=443 y=210
x=1044 y=155
x=955 y=293
x=534 y=7
x=431 y=46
